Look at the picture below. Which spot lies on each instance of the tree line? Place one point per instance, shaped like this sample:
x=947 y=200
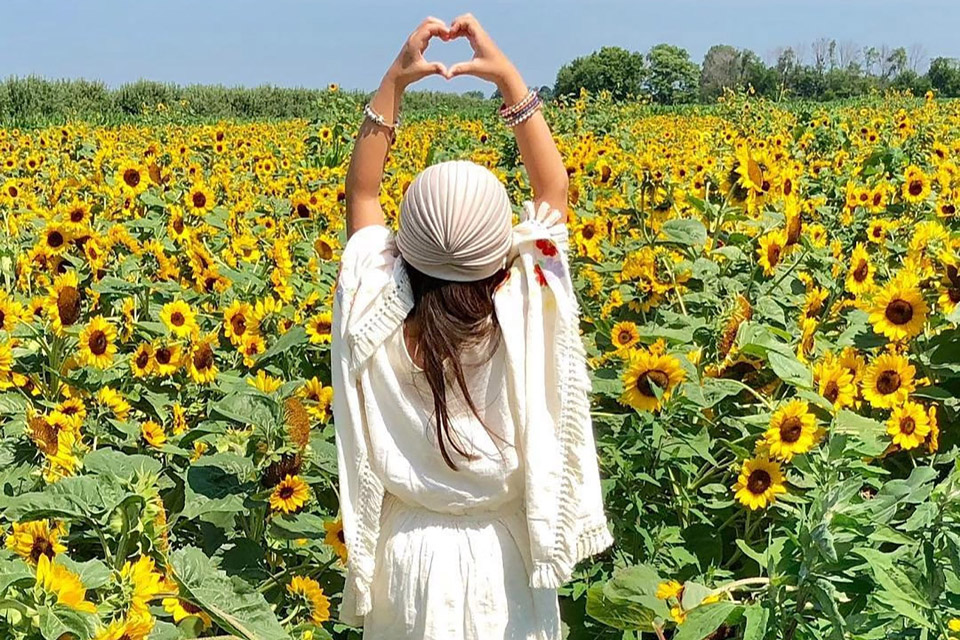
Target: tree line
x=825 y=70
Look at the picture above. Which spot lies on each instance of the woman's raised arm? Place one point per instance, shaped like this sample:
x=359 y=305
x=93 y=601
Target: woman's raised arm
x=373 y=140
x=548 y=175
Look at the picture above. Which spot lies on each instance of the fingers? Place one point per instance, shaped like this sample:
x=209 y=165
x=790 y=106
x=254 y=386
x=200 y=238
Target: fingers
x=463 y=69
x=429 y=28
x=437 y=68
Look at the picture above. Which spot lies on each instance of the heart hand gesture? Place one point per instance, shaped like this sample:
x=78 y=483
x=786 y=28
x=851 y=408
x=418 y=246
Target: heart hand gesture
x=488 y=61
x=410 y=65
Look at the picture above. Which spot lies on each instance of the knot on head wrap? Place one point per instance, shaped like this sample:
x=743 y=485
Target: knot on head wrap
x=455 y=222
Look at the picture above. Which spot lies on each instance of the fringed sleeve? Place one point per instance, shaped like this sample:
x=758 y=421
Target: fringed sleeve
x=368 y=300
x=538 y=313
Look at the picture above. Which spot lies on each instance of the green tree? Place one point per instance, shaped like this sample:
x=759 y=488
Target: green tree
x=944 y=76
x=612 y=69
x=721 y=69
x=672 y=78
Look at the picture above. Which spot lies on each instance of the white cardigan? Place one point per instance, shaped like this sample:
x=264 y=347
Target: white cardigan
x=538 y=314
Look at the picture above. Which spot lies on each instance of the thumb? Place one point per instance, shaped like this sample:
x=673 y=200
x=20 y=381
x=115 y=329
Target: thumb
x=439 y=69
x=463 y=68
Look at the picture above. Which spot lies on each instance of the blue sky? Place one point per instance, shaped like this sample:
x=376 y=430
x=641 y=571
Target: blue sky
x=313 y=42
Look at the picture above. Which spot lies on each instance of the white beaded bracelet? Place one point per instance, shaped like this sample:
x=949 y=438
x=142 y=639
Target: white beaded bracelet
x=378 y=119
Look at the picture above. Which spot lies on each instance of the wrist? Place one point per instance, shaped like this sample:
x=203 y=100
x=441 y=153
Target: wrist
x=393 y=80
x=511 y=86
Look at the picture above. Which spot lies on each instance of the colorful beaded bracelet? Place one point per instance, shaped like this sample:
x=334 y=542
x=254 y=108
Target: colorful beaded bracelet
x=524 y=113
x=507 y=112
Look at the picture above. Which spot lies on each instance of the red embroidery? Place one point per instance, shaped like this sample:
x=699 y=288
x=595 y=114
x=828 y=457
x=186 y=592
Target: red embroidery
x=547 y=247
x=541 y=278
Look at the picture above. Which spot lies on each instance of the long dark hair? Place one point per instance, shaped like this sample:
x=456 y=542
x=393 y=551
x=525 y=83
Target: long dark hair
x=449 y=317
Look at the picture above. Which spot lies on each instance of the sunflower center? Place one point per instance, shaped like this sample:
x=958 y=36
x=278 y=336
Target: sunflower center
x=199 y=200
x=178 y=225
x=189 y=607
x=131 y=177
x=55 y=239
x=954 y=295
x=286 y=492
x=303 y=210
x=790 y=430
x=164 y=355
x=899 y=312
x=203 y=358
x=340 y=537
x=888 y=382
x=239 y=324
x=908 y=426
x=758 y=482
x=860 y=273
x=773 y=254
x=948 y=209
x=41 y=547
x=659 y=378
x=98 y=343
x=177 y=319
x=624 y=337
x=143 y=358
x=916 y=187
x=831 y=392
x=323 y=327
x=588 y=232
x=68 y=305
x=77 y=215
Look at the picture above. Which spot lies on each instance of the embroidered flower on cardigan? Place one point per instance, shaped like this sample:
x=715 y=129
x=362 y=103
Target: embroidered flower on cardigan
x=547 y=247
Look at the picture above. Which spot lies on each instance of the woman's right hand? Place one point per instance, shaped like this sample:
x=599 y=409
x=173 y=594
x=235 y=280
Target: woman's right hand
x=489 y=62
x=410 y=65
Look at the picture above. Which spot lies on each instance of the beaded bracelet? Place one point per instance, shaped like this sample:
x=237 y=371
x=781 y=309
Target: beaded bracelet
x=378 y=119
x=524 y=113
x=507 y=112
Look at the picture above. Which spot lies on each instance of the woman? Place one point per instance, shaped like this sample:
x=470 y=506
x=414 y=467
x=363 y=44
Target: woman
x=468 y=474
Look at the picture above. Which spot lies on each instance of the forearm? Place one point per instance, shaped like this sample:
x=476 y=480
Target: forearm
x=548 y=175
x=369 y=157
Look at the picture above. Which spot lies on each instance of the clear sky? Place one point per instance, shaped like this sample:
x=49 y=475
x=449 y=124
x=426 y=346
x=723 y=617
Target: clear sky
x=313 y=42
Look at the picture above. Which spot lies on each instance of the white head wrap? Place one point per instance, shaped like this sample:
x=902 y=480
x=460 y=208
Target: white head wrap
x=455 y=222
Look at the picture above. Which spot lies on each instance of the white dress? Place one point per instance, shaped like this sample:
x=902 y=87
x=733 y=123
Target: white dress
x=436 y=553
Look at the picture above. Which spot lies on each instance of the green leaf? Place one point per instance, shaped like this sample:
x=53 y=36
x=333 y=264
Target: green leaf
x=757 y=619
x=120 y=465
x=57 y=620
x=234 y=604
x=685 y=231
x=247 y=408
x=165 y=631
x=14 y=571
x=301 y=525
x=77 y=497
x=790 y=370
x=704 y=620
x=892 y=578
x=623 y=615
x=870 y=434
x=292 y=338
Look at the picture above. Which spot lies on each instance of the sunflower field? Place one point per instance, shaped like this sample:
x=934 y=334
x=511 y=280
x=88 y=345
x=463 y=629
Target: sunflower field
x=771 y=301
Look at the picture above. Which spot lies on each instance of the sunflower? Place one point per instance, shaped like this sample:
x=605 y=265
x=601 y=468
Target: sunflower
x=132 y=178
x=237 y=321
x=253 y=345
x=56 y=580
x=200 y=362
x=771 y=250
x=265 y=382
x=759 y=483
x=916 y=185
x=64 y=302
x=199 y=199
x=56 y=239
x=888 y=380
x=908 y=425
x=326 y=247
x=145 y=583
x=97 y=343
x=320 y=396
x=167 y=358
x=291 y=494
x=10 y=312
x=136 y=626
x=309 y=589
x=933 y=438
x=319 y=326
x=153 y=433
x=335 y=538
x=624 y=335
x=793 y=430
x=182 y=609
x=835 y=383
x=179 y=318
x=141 y=362
x=860 y=276
x=899 y=310
x=646 y=373
x=30 y=540
x=112 y=399
x=77 y=214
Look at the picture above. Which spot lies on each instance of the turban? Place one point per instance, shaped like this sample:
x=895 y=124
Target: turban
x=455 y=222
